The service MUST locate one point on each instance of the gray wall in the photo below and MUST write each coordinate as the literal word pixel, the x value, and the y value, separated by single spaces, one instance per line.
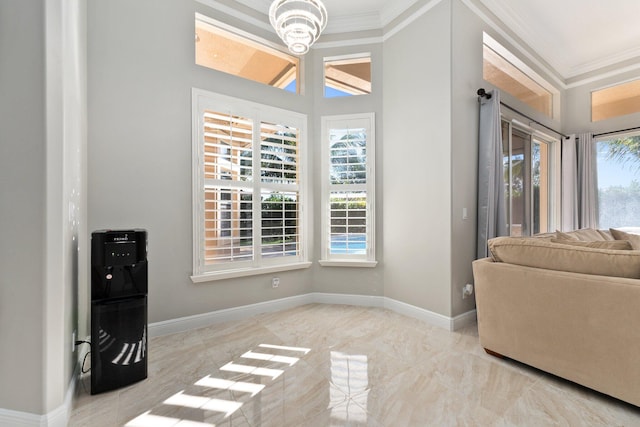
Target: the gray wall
pixel 140 149
pixel 42 130
pixel 141 70
pixel 467 31
pixel 70 109
pixel 358 281
pixel 22 162
pixel 467 42
pixel 417 162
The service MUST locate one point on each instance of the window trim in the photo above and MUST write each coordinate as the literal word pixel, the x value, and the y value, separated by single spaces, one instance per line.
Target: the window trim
pixel 369 259
pixel 205 100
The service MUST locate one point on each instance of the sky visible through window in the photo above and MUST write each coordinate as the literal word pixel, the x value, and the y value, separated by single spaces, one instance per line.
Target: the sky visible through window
pixel 611 173
pixel 618 164
pixel 328 91
pixel 291 87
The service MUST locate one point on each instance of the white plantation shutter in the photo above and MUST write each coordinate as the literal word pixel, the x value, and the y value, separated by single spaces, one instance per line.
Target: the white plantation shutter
pixel 348 189
pixel 280 211
pixel 228 197
pixel 247 185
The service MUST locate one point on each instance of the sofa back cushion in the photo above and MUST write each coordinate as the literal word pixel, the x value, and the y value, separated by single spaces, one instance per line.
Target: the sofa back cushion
pixel 542 253
pixel 620 245
pixel 623 235
pixel 585 235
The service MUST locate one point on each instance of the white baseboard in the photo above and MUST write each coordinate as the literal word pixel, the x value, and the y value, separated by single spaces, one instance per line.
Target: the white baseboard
pixel 183 324
pixel 229 314
pixel 464 319
pixel 425 315
pixel 9 418
pixel 59 417
pixel 345 299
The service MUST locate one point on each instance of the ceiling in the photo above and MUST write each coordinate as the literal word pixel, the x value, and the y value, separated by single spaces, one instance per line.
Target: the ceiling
pixel 573 36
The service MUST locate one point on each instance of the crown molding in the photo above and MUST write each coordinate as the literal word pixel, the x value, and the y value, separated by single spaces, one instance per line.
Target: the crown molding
pixel 556 68
pixel 617 58
pixel 547 47
pixel 235 13
pixel 551 72
pixel 603 75
pixel 351 42
pixel 409 19
pixel 259 5
pixel 372 20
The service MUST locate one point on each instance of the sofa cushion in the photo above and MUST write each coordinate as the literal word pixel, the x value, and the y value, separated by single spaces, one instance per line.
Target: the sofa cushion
pixel 565 236
pixel 583 235
pixel 541 253
pixel 623 235
pixel 620 245
pixel 606 234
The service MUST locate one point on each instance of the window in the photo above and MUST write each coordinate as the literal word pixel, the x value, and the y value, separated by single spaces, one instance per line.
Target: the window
pixel 618 165
pixel 505 71
pixel 527 161
pixel 615 101
pixel 224 48
pixel 347 75
pixel 248 187
pixel 348 190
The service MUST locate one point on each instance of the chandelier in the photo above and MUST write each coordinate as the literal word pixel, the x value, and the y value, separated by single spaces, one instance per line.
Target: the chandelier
pixel 298 22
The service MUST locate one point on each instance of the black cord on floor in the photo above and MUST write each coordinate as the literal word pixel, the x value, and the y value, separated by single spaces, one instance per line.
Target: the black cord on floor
pixel 84 360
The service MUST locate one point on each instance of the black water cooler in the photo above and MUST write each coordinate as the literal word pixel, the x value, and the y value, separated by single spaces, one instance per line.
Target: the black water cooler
pixel 118 308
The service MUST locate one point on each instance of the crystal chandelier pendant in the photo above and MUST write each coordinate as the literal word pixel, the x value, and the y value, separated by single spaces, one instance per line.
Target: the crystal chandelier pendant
pixel 298 22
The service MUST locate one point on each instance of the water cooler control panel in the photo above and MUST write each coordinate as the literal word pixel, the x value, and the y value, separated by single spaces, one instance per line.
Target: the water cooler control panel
pixel 118 263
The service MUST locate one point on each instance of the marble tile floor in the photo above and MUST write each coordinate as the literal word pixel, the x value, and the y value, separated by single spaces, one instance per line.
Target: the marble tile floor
pixel 339 365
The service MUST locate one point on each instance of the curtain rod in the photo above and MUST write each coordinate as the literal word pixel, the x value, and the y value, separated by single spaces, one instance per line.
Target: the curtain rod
pixel 483 94
pixel 615 131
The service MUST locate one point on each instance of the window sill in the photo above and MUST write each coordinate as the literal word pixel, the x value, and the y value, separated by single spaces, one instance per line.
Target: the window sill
pixel 348 263
pixel 244 272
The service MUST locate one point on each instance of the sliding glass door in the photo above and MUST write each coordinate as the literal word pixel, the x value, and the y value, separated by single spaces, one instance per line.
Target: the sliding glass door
pixel 527 177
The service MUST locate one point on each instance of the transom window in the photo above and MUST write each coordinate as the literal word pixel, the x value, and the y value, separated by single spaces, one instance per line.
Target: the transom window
pixel 224 48
pixel 248 185
pixel 614 101
pixel 505 71
pixel 347 75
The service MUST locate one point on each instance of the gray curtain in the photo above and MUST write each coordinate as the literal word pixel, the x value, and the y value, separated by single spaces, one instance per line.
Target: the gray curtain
pixel 569 184
pixel 492 208
pixel 587 182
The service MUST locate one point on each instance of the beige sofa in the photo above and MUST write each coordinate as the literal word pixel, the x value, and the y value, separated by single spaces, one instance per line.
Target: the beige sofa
pixel 571 308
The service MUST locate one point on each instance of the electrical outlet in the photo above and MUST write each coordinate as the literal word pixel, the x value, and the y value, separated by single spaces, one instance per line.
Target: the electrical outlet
pixel 467 290
pixel 275 282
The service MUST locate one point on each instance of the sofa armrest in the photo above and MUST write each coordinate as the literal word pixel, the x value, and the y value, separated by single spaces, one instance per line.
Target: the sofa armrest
pixel 578 326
